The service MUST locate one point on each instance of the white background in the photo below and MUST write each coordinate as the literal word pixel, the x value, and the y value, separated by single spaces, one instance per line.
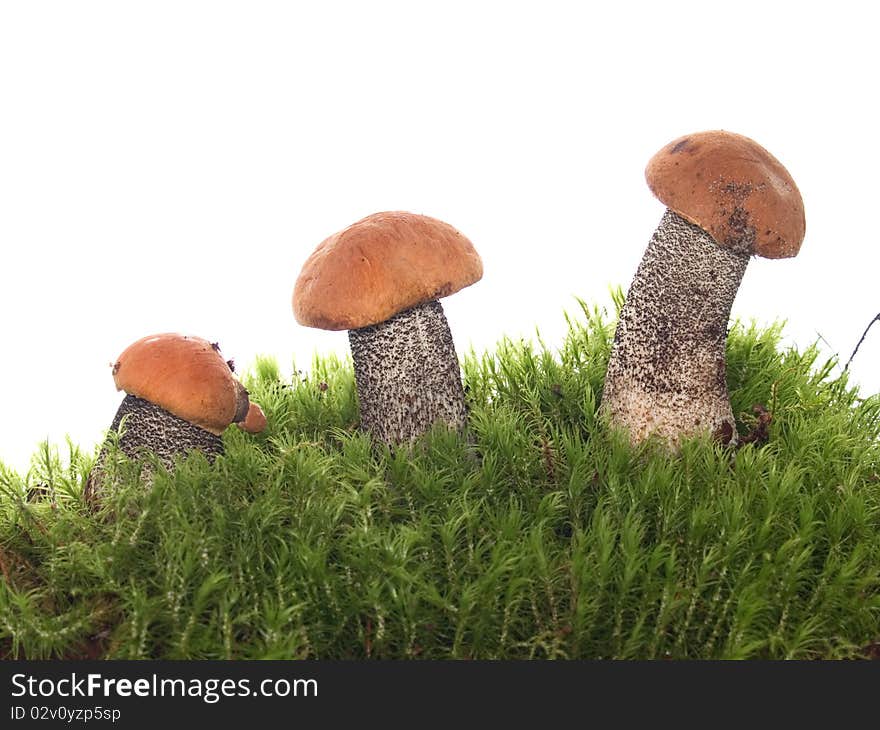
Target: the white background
pixel 168 166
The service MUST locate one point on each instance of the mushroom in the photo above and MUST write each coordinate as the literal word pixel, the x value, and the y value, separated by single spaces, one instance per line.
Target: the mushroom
pixel 380 279
pixel 254 421
pixel 180 396
pixel 727 199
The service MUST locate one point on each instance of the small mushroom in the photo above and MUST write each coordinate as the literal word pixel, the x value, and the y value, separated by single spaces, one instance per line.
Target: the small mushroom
pixel 380 279
pixel 180 396
pixel 254 421
pixel 727 199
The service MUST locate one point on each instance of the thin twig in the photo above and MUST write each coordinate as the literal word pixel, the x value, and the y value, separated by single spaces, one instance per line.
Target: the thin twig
pixel 864 334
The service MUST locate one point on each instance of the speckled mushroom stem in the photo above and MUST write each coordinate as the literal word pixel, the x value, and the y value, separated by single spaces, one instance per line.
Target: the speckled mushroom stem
pixel 407 375
pixel 667 372
pixel 149 428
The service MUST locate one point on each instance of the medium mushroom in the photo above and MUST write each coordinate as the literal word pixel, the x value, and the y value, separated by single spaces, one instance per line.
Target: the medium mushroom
pixel 727 199
pixel 180 396
pixel 380 279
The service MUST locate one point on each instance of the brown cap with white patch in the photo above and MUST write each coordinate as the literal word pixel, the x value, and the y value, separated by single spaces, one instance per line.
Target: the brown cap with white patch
pixel 733 189
pixel 380 266
pixel 185 375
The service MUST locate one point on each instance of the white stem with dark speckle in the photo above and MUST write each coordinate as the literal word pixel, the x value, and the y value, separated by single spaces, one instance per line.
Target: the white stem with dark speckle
pixel 407 375
pixel 667 372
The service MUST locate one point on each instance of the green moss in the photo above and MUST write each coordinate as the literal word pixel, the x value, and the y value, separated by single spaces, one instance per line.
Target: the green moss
pixel 543 535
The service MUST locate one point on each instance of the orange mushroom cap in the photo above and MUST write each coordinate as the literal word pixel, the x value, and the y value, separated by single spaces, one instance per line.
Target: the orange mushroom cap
pixel 185 375
pixel 733 189
pixel 380 266
pixel 255 421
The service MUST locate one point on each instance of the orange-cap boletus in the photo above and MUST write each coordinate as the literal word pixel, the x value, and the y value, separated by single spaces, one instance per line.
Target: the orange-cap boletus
pixel 180 396
pixel 381 279
pixel 727 199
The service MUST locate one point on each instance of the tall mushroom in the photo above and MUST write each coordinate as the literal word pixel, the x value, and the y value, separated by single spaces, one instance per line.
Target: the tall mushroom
pixel 727 199
pixel 180 396
pixel 380 279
